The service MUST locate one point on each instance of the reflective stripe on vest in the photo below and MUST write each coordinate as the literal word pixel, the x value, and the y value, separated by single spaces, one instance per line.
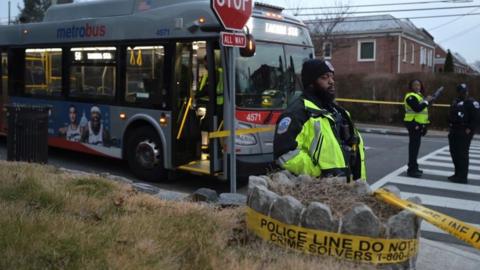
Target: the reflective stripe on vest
pixel 218 89
pixel 318 139
pixel 410 115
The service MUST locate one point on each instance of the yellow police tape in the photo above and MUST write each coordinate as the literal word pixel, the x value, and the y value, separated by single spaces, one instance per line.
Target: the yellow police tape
pixel 381 102
pixel 345 246
pixel 459 229
pixel 226 133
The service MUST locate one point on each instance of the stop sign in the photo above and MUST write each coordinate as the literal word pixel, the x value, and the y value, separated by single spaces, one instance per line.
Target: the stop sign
pixel 233 14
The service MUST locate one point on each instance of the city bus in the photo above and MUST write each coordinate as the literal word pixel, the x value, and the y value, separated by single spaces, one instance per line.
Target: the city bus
pixel 142 80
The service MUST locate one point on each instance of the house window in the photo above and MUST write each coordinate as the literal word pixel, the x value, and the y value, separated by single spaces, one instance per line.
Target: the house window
pixel 327 50
pixel 413 54
pixel 430 58
pixel 423 56
pixel 404 51
pixel 366 50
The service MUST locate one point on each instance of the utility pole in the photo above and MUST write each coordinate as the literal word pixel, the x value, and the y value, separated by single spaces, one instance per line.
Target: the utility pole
pixel 9 7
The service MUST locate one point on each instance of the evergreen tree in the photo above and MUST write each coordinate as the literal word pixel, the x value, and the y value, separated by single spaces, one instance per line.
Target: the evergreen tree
pixel 33 10
pixel 448 62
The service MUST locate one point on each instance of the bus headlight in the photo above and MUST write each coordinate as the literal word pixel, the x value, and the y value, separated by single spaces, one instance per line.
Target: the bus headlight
pixel 245 139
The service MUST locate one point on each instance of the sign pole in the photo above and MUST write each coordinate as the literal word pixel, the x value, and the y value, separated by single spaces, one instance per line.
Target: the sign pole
pixel 231 141
pixel 233 15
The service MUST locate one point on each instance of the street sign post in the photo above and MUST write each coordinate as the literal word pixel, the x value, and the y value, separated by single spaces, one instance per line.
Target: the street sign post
pixel 233 15
pixel 233 39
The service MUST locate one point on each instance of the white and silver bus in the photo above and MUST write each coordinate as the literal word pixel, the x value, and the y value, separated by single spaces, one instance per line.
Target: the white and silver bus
pixel 128 79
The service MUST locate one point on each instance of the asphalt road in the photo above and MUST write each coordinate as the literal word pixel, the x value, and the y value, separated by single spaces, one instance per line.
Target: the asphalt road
pixel 385 153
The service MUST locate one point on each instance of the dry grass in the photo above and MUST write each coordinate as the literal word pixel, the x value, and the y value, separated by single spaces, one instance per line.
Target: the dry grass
pixel 50 220
pixel 340 197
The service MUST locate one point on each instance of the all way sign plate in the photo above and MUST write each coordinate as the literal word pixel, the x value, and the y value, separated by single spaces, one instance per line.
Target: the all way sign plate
pixel 233 39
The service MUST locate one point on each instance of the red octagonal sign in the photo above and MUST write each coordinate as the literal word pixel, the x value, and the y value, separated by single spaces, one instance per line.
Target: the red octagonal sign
pixel 233 14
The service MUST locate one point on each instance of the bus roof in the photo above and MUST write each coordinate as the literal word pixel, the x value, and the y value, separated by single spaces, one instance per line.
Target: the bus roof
pixel 114 20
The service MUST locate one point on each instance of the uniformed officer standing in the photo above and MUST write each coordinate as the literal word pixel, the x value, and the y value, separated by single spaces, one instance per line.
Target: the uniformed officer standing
pixel 416 121
pixel 315 136
pixel 462 121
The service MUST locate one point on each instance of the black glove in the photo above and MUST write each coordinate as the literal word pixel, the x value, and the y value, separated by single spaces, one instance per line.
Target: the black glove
pixel 424 129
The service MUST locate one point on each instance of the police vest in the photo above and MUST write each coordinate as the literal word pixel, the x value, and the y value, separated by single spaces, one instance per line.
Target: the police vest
pixel 218 89
pixel 318 148
pixel 410 115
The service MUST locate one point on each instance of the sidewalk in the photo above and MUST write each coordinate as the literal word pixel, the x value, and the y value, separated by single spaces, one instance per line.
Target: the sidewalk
pixel 435 255
pixel 394 130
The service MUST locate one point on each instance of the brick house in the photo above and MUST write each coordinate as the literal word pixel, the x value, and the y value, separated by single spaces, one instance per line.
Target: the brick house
pixel 374 44
pixel 460 64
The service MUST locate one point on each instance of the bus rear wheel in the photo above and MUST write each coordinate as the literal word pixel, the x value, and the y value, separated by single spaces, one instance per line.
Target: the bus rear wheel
pixel 145 154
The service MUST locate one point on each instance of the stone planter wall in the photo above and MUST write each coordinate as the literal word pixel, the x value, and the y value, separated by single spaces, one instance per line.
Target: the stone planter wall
pixel 359 220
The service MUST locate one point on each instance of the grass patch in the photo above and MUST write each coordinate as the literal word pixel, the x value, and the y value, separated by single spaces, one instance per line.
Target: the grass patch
pixel 104 225
pixel 91 187
pixel 31 192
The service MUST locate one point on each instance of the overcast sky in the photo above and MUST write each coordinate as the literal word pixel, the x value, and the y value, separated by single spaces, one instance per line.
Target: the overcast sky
pixel 459 34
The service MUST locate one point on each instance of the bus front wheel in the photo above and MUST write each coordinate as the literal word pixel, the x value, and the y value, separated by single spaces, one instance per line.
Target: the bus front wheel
pixel 145 154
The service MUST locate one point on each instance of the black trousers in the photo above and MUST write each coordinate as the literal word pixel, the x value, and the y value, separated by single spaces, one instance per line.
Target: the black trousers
pixel 459 142
pixel 415 138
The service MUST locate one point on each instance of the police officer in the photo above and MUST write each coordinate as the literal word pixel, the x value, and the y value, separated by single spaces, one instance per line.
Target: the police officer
pixel 315 136
pixel 462 121
pixel 416 121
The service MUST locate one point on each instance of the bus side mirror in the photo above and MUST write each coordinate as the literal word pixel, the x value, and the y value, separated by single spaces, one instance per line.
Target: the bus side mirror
pixel 249 50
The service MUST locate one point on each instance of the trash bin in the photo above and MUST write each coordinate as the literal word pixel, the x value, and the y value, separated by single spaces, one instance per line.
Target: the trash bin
pixel 27 136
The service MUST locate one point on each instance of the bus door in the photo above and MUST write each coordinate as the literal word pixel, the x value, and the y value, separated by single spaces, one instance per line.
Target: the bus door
pixel 3 87
pixel 196 110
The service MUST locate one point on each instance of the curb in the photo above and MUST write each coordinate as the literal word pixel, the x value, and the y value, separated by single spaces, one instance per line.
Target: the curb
pixel 385 131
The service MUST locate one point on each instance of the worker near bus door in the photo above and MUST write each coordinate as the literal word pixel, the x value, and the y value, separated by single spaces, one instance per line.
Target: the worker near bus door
pixel 462 121
pixel 315 136
pixel 202 99
pixel 416 121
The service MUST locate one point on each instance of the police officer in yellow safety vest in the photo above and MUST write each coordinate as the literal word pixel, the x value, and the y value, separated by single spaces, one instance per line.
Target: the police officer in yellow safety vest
pixel 315 136
pixel 202 93
pixel 416 121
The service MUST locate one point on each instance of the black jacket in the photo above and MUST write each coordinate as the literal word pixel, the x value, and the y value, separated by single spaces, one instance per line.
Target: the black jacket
pixel 464 114
pixel 285 139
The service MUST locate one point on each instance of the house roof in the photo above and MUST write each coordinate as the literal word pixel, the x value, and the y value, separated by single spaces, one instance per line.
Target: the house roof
pixel 371 24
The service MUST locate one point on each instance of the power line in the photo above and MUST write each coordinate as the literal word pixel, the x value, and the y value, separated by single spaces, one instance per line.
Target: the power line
pixel 451 21
pixel 394 19
pixel 389 4
pixel 461 33
pixel 385 11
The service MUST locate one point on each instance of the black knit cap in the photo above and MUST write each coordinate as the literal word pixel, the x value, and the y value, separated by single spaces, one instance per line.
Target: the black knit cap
pixel 462 87
pixel 314 68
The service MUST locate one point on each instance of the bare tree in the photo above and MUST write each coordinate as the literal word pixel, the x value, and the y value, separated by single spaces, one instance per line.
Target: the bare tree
pixel 322 27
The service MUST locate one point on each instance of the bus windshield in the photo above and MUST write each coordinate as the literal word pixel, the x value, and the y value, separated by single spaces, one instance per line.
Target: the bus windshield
pixel 270 79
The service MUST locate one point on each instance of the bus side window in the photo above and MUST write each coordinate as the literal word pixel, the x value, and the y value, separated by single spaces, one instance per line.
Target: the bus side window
pixel 43 71
pixel 93 72
pixel 145 69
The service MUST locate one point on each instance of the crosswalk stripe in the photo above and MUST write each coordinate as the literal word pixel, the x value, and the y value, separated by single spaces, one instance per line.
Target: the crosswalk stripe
pixel 445 164
pixel 472 161
pixel 398 171
pixel 434 184
pixel 448 153
pixel 475 151
pixel 442 201
pixel 471 176
pixel 432 228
